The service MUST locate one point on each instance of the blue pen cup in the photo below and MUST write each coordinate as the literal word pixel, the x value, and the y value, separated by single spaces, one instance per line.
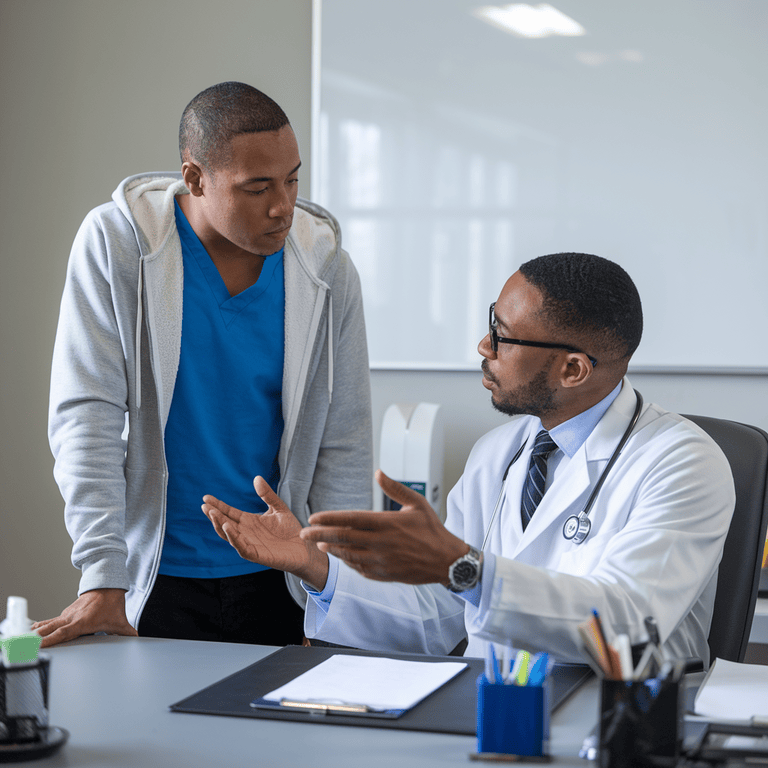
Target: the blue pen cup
pixel 512 719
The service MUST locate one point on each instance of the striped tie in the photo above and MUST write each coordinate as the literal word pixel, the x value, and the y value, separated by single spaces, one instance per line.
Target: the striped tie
pixel 533 489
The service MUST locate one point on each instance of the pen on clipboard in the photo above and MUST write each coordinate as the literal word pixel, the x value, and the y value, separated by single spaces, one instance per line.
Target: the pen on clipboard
pixel 336 707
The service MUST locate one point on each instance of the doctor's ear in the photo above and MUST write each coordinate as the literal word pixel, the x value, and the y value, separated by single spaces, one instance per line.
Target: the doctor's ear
pixel 577 368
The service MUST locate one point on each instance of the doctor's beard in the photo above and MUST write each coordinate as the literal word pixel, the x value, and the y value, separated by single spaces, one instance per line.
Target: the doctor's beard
pixel 536 398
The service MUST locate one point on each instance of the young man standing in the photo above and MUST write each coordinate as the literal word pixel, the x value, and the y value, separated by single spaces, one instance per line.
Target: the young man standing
pixel 211 329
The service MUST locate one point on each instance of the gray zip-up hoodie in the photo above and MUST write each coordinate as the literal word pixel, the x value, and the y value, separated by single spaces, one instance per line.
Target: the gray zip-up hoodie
pixel 114 368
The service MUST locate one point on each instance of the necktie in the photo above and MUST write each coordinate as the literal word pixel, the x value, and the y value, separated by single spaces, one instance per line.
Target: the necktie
pixel 533 489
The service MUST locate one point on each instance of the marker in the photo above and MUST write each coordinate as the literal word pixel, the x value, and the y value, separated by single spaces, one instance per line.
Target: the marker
pixel 624 650
pixel 538 669
pixel 519 673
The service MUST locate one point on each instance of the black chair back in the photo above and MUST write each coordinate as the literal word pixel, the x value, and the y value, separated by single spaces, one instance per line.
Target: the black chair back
pixel 746 448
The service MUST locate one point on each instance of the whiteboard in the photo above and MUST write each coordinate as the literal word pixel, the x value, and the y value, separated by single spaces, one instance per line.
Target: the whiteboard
pixel 452 151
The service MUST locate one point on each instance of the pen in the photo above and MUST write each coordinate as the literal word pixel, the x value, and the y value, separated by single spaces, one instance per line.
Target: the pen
pixel 595 652
pixel 507 661
pixel 614 663
pixel 599 626
pixel 492 673
pixel 488 663
pixel 591 659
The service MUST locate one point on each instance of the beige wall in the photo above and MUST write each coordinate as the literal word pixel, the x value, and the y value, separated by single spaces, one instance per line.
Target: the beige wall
pixel 91 91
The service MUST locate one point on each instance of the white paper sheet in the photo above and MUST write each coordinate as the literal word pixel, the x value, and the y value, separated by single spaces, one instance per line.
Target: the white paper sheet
pixel 733 691
pixel 379 683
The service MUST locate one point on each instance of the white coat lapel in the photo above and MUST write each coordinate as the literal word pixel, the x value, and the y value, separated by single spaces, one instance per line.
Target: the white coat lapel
pixel 572 486
pixel 508 530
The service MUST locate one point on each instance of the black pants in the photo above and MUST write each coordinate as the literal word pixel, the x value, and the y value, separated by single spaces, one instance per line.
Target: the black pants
pixel 256 608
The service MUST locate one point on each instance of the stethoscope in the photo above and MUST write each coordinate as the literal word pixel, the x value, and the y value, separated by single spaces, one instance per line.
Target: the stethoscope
pixel 576 527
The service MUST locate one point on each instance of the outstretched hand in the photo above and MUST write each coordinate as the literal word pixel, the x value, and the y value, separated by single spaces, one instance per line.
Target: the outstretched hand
pixel 271 538
pixel 410 546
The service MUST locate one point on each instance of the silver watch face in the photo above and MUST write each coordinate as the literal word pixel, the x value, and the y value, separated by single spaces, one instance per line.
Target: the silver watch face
pixel 464 573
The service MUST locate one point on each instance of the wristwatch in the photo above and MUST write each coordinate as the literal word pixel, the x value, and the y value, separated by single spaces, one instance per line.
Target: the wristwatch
pixel 465 572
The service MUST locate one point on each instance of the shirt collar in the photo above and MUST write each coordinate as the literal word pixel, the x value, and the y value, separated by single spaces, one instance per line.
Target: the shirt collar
pixel 572 434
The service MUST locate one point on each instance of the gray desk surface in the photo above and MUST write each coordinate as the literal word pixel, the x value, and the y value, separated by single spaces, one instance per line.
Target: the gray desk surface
pixel 112 695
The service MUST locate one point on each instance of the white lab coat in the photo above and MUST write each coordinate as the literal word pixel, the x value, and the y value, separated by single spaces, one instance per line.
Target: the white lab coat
pixel 658 528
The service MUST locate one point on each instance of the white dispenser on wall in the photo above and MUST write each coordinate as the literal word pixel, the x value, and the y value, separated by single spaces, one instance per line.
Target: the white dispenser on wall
pixel 412 451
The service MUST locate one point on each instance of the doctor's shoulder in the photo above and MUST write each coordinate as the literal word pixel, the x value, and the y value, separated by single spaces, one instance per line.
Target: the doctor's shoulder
pixel 675 440
pixel 676 430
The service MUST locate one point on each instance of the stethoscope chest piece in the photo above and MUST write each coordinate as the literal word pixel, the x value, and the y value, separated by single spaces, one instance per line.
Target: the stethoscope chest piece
pixel 576 528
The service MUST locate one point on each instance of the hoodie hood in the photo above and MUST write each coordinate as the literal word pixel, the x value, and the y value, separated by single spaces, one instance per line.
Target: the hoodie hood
pixel 146 200
pixel 313 245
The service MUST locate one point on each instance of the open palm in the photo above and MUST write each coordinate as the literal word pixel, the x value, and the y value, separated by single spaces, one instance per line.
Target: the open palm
pixel 271 538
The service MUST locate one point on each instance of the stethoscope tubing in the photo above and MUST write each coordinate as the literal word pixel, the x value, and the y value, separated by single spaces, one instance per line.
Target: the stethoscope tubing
pixel 581 521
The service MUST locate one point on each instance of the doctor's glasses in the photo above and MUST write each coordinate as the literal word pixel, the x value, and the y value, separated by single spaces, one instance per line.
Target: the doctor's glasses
pixel 496 339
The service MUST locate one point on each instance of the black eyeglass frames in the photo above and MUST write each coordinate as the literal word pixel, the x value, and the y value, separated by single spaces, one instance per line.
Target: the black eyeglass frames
pixel 496 340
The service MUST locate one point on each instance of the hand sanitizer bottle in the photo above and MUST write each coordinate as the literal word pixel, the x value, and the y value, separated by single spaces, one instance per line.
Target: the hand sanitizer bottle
pixel 20 643
pixel 24 678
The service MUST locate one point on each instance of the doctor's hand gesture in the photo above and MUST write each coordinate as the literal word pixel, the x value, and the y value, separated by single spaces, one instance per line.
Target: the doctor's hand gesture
pixel 271 538
pixel 410 545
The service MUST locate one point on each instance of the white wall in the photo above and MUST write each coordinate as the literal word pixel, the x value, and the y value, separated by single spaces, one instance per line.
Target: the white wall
pixel 91 92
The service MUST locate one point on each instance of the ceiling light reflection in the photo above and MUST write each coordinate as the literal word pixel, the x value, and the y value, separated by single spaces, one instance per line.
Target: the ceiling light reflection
pixel 528 21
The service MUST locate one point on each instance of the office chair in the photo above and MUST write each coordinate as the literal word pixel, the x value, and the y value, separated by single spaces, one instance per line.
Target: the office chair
pixel 746 449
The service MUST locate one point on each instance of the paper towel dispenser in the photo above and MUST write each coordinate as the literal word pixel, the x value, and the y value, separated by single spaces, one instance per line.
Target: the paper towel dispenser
pixel 412 451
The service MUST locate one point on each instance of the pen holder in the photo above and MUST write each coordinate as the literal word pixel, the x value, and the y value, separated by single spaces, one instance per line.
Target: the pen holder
pixel 512 719
pixel 24 700
pixel 639 723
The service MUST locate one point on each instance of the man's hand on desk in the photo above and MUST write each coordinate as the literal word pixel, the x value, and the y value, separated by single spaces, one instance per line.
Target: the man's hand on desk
pixel 271 538
pixel 410 546
pixel 98 610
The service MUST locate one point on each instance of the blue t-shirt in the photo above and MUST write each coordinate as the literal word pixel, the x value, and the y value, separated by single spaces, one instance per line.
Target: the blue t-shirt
pixel 225 421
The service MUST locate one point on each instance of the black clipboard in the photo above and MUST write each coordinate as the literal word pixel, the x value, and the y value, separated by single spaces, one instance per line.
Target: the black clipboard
pixel 449 709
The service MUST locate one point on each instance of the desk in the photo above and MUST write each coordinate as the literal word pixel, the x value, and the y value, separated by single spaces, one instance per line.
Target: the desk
pixel 112 695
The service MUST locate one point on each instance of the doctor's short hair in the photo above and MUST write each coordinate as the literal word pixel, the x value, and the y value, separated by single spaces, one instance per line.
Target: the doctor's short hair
pixel 591 298
pixel 219 113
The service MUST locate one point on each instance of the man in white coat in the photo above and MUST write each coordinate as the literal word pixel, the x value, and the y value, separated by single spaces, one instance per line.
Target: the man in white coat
pixel 516 562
